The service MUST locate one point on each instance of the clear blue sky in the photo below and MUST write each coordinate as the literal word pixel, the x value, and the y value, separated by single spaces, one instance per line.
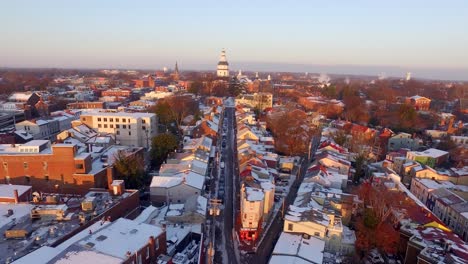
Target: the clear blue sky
pixel 424 35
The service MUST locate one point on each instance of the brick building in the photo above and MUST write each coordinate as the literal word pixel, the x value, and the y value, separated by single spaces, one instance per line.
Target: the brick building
pixel 87 105
pixel 63 168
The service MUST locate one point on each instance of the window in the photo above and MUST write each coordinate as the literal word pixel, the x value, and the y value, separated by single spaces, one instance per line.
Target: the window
pixel 143 121
pixel 111 126
pixel 105 125
pixel 28 179
pixel 79 166
pixel 46 178
pixel 116 120
pixel 117 126
pixel 129 127
pixel 105 119
pixel 123 120
pixel 25 165
pixel 317 234
pixel 84 118
pixel 129 133
pixel 143 127
pixel 99 126
pixel 118 132
pixel 124 126
pixel 290 227
pixel 111 119
pixel 99 119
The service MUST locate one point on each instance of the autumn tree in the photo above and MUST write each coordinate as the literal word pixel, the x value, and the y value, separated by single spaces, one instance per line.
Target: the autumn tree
pixel 355 109
pixel 161 146
pixel 172 110
pixel 292 131
pixel 374 225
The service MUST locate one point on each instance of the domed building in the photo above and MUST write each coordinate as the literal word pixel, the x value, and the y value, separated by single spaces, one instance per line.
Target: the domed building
pixel 223 66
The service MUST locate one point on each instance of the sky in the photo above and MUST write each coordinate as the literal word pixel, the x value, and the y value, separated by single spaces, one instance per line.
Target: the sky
pixel 427 37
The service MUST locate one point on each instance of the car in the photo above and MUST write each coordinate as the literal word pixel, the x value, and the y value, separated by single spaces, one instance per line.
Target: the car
pixel 221 165
pixel 223 145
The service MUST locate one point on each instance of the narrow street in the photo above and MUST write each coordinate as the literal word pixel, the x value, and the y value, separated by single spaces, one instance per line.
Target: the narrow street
pixel 227 192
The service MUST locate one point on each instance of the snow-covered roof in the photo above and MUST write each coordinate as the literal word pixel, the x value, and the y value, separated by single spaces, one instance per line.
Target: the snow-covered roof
pixel 165 181
pixel 40 255
pixel 120 237
pixel 254 194
pixel 294 248
pixel 6 190
pixel 20 96
pixel 432 152
pixel 19 211
pixel 76 255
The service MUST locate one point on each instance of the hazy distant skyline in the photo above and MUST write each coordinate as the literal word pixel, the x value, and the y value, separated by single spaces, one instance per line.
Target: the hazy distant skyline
pixel 426 37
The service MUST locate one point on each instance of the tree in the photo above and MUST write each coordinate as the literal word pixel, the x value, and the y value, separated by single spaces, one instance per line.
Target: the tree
pixel 130 169
pixel 235 87
pixel 196 87
pixel 161 146
pixel 355 109
pixel 407 116
pixel 340 137
pixel 172 110
pixel 446 144
pixel 360 163
pixel 292 131
pixel 330 92
pixel 164 113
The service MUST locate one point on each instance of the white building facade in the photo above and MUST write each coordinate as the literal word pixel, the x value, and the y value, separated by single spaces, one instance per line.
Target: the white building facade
pixel 130 129
pixel 223 66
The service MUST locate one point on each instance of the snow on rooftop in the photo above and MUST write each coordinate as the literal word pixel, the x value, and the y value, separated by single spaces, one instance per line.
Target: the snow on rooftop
pixel 431 184
pixel 6 190
pixel 84 233
pixel 295 246
pixel 165 181
pixel 94 112
pixel 40 255
pixel 432 152
pixel 19 211
pixel 86 256
pixel 121 236
pixel 254 194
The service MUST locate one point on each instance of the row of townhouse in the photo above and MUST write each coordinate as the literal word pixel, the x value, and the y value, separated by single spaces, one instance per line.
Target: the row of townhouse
pixel 320 213
pixel 423 236
pixel 259 170
pixel 184 174
pixel 446 200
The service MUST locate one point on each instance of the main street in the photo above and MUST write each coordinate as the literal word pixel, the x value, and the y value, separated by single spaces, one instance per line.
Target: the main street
pixel 227 190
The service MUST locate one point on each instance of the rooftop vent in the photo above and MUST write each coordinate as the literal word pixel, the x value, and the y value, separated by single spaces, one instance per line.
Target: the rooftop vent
pixel 89 245
pixel 101 238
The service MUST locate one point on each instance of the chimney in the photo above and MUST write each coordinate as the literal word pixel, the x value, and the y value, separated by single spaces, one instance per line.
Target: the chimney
pixel 152 248
pixel 15 194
